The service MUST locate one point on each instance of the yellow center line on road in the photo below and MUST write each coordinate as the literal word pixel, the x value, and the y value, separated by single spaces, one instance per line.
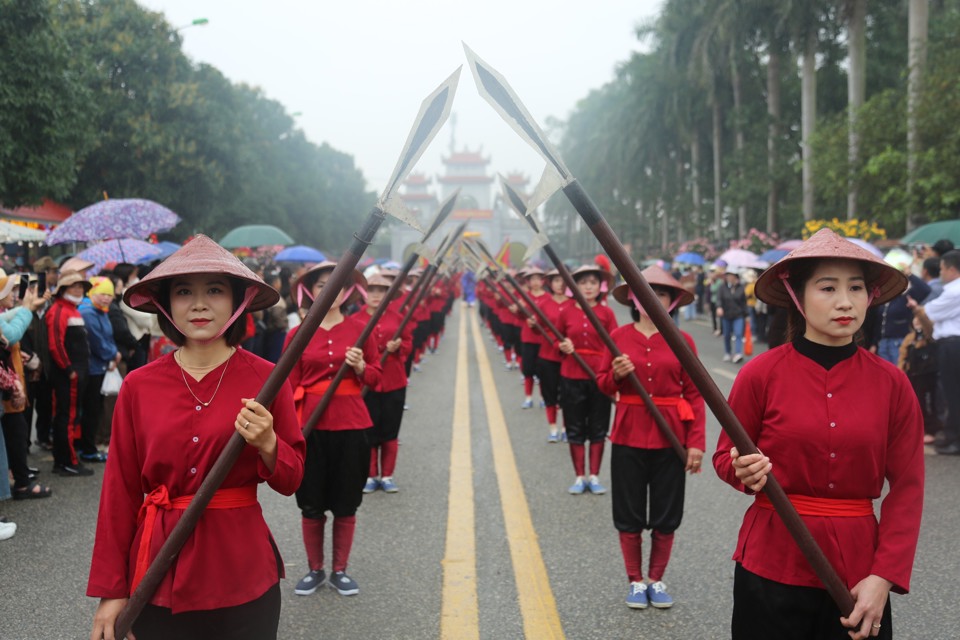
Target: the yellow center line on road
pixel 537 604
pixel 459 616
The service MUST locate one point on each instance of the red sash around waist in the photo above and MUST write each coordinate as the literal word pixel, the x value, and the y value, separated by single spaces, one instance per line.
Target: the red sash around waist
pixel 157 499
pixel 591 352
pixel 810 506
pixel 347 387
pixel 683 407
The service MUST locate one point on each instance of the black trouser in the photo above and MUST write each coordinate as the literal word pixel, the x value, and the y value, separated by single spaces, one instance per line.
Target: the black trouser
pixel 549 373
pixel 91 407
pixel 16 433
pixel 925 386
pixel 639 473
pixel 528 358
pixel 334 472
pixel 67 394
pixel 386 412
pixel 254 620
pixel 764 609
pixel 948 359
pixel 586 411
pixel 41 399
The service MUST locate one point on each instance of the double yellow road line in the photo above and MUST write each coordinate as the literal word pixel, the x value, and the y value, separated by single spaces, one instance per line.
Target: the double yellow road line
pixel 460 616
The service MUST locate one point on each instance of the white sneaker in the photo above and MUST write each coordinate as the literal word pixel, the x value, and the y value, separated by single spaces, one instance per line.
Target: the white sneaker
pixel 738 358
pixel 7 529
pixel 726 357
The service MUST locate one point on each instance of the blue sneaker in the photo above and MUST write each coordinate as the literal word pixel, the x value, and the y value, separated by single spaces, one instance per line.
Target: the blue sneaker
pixel 659 597
pixel 372 485
pixel 344 584
pixel 577 488
pixel 310 582
pixel 527 404
pixel 637 596
pixel 553 438
pixel 543 405
pixel 388 485
pixel 595 487
pixel 563 436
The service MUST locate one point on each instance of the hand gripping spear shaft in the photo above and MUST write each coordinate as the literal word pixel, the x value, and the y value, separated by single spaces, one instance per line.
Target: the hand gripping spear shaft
pixel 331 390
pixel 433 113
pixel 495 89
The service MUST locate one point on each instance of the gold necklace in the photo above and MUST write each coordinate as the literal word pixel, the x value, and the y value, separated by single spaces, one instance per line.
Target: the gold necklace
pixel 187 384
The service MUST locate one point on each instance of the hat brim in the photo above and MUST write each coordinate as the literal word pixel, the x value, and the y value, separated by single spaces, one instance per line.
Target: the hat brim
pixel 12 281
pixel 770 286
pixel 309 278
pixel 621 293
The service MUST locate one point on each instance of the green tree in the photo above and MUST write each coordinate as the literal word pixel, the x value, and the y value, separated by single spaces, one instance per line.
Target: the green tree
pixel 46 123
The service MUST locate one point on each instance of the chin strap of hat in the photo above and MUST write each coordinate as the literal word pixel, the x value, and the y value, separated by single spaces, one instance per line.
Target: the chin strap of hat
pixel 874 293
pixel 639 307
pixel 784 275
pixel 248 297
pixel 302 293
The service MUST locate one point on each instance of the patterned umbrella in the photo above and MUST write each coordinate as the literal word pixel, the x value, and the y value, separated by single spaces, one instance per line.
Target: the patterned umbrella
pixel 123 218
pixel 125 250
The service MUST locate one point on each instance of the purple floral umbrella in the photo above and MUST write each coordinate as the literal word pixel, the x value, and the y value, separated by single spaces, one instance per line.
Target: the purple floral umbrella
pixel 123 218
pixel 123 250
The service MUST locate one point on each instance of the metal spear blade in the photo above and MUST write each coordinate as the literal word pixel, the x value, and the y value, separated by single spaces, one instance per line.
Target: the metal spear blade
pixel 446 208
pixel 495 89
pixel 433 113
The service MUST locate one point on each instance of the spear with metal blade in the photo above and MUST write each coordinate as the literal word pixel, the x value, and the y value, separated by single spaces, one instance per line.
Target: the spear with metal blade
pixel 327 397
pixel 543 242
pixel 494 88
pixel 433 113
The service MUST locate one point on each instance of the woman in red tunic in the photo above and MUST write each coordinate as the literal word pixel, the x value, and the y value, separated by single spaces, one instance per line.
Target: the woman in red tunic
pixel 647 476
pixel 173 418
pixel 338 449
pixel 530 339
pixel 385 402
pixel 549 356
pixel 586 410
pixel 838 422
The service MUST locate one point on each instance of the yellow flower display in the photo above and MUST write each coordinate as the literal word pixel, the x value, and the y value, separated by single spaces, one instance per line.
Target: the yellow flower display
pixel 863 229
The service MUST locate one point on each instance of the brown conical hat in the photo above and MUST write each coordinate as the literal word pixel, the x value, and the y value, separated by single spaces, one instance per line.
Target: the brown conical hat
pixel 309 278
pixel 600 272
pixel 532 271
pixel 200 255
pixel 827 245
pixel 378 280
pixel 655 275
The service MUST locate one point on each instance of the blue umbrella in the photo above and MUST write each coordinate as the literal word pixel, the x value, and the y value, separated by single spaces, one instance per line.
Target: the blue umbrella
pixel 300 253
pixel 689 257
pixel 773 255
pixel 167 249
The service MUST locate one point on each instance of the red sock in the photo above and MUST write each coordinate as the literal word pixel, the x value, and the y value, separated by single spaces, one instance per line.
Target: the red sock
pixel 374 468
pixel 508 354
pixel 552 414
pixel 313 541
pixel 343 528
pixel 528 387
pixel 498 339
pixel 631 544
pixel 596 455
pixel 519 360
pixel 660 546
pixel 576 454
pixel 389 457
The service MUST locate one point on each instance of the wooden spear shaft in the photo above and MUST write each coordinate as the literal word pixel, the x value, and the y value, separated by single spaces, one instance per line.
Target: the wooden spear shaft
pixel 709 390
pixel 231 452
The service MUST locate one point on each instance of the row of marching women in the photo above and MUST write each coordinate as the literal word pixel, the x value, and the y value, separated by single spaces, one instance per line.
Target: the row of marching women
pixel 328 457
pixel 802 403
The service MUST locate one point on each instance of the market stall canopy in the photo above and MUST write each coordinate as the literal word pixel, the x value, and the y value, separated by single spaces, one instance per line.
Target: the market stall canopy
pixel 10 232
pixel 255 235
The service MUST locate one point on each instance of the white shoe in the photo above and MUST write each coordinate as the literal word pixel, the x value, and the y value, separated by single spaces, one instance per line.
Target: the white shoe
pixel 726 357
pixel 738 358
pixel 7 529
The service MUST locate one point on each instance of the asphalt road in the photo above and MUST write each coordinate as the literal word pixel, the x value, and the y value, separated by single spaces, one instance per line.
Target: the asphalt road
pixel 402 539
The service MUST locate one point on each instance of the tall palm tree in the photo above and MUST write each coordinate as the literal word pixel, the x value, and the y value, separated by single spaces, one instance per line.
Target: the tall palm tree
pixel 856 91
pixel 918 19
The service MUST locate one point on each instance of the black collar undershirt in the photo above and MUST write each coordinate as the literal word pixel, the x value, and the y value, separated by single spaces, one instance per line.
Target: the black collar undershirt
pixel 826 357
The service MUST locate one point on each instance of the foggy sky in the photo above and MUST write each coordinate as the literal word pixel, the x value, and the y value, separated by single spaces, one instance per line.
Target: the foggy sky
pixel 358 70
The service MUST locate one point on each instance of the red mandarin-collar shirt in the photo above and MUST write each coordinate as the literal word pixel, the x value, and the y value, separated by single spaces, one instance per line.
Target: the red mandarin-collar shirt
pixel 551 309
pixel 831 434
pixel 320 362
pixel 661 375
pixel 394 374
pixel 528 334
pixel 573 324
pixel 162 436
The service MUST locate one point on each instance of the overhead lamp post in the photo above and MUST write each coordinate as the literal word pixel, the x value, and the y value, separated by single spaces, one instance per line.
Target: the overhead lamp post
pixel 196 22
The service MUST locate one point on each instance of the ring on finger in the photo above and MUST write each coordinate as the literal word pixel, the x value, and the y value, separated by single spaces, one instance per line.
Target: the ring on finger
pixel 247 426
